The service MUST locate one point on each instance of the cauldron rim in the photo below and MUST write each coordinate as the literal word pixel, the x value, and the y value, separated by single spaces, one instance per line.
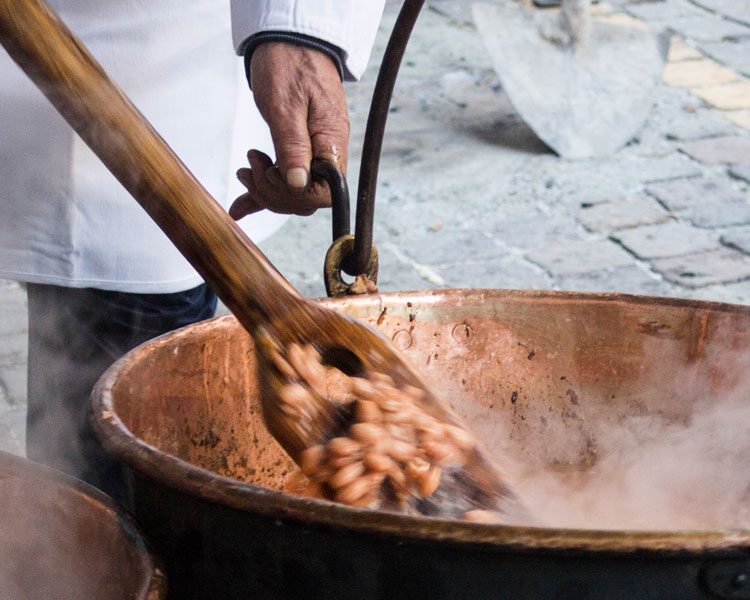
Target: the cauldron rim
pixel 207 485
pixel 154 583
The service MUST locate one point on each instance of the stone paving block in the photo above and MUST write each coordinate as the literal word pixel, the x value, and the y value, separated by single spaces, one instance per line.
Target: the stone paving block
pixel 649 169
pixel 535 230
pixel 738 117
pixel 741 172
pixel 734 53
pixel 622 20
pixel 398 272
pixel 579 257
pixel 707 28
pixel 397 277
pixel 738 239
pixel 669 10
pixel 666 239
pixel 718 215
pixel 510 272
pixel 697 124
pixel 680 51
pixel 739 10
pixel 729 96
pixel 624 280
pixel 458 12
pixel 686 193
pixel 695 73
pixel 724 150
pixel 732 293
pixel 13 343
pixel 621 213
pixel 697 270
pixel 13 430
pixel 602 8
pixel 437 247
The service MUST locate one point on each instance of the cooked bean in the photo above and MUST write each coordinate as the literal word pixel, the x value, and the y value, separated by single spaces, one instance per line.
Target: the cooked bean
pixel 480 516
pixel 353 490
pixel 400 432
pixel 380 446
pixel 311 459
pixel 389 406
pixel 462 438
pixel 431 432
pixel 284 367
pixel 430 481
pixel 401 414
pixel 296 356
pixel 313 356
pixel 346 475
pixel 398 480
pixel 303 423
pixel 400 450
pixel 437 450
pixel 367 433
pixel 337 462
pixel 375 479
pixel 378 462
pixel 369 500
pixel 416 468
pixel 362 388
pixel 294 394
pixel 381 380
pixel 291 409
pixel 317 381
pixel 415 394
pixel 324 474
pixel 318 386
pixel 367 411
pixel 422 420
pixel 343 446
pixel 308 367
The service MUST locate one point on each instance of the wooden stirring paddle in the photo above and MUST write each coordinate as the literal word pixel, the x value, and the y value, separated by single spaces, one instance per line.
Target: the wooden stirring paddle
pixel 373 377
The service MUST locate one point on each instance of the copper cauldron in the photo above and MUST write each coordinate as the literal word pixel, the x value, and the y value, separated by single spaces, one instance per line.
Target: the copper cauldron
pixel 539 376
pixel 61 538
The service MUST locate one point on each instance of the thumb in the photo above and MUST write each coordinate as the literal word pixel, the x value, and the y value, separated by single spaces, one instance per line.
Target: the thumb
pixel 291 141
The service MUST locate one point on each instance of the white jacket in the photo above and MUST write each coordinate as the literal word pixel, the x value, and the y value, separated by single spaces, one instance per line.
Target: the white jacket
pixel 64 219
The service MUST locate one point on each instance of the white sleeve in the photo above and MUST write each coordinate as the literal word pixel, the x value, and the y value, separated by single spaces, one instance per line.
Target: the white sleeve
pixel 349 24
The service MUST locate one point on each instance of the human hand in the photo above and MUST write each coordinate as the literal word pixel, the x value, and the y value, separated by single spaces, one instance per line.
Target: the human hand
pixel 298 92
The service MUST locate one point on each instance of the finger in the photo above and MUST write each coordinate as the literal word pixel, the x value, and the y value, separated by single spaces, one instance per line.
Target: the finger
pixel 291 140
pixel 245 176
pixel 251 201
pixel 244 205
pixel 271 192
pixel 259 159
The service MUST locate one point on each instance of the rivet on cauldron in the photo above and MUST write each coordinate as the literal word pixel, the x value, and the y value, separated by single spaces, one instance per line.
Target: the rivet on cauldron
pixel 461 333
pixel 402 339
pixel 728 579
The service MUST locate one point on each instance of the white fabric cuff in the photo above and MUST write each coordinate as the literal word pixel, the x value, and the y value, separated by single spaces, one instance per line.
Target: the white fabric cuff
pixel 348 24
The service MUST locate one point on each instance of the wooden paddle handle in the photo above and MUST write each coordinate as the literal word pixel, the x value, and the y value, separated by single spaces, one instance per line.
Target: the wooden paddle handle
pixel 140 159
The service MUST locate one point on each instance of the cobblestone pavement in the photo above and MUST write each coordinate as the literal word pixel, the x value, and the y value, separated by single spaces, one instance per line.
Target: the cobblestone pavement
pixel 469 197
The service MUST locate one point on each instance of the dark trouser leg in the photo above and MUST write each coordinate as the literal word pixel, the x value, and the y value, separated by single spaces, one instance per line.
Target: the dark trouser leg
pixel 74 336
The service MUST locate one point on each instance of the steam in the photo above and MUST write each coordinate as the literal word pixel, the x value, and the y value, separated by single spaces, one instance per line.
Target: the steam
pixel 656 475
